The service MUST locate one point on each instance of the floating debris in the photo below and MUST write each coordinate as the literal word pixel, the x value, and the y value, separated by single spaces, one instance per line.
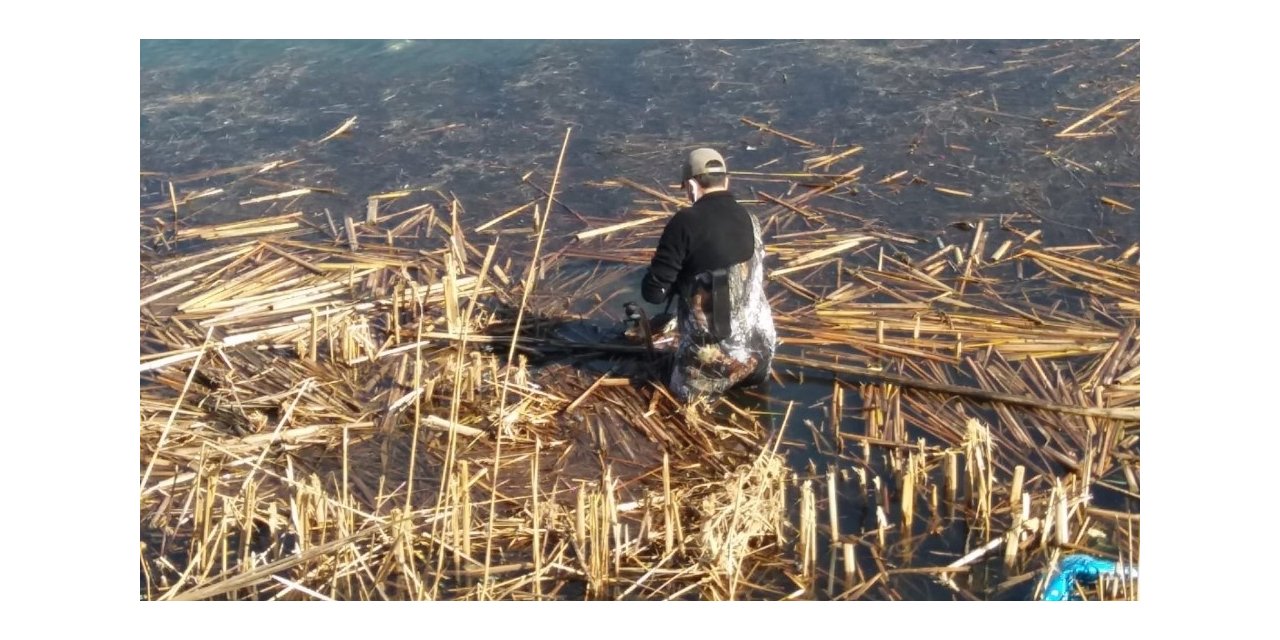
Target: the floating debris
pixel 386 402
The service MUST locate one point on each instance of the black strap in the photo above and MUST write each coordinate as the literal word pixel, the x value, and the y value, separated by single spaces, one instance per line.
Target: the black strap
pixel 721 305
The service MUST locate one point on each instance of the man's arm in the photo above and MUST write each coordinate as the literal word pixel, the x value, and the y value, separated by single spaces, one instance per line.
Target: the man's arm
pixel 667 261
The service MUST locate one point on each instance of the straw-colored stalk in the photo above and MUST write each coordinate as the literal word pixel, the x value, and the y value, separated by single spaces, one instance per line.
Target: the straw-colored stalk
pixel 534 268
pixel 832 508
pixel 808 534
pixel 882 519
pixel 537 522
pixel 909 493
pixel 1062 522
pixel 850 563
pixel 951 476
pixel 1014 535
pixel 669 516
pixel 980 470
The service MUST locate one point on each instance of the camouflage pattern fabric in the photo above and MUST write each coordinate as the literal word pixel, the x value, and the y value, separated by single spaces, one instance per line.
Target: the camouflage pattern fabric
pixel 704 366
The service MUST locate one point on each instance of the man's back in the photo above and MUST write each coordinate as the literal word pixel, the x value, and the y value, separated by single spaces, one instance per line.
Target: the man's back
pixel 716 232
pixel 712 259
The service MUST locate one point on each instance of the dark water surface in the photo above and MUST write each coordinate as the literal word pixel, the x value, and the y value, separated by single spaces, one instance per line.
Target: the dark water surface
pixel 474 118
pixel 975 115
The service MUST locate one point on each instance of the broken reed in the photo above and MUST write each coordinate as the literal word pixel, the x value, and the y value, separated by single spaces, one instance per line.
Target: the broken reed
pixel 379 329
pixel 885 424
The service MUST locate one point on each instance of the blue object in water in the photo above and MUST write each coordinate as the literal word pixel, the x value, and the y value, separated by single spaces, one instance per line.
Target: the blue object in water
pixel 1084 569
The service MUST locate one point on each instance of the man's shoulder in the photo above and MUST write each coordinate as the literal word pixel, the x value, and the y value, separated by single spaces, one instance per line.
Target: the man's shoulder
pixel 682 216
pixel 678 224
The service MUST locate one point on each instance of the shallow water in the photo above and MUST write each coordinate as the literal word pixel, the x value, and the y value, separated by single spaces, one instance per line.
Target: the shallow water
pixel 976 116
pixel 472 118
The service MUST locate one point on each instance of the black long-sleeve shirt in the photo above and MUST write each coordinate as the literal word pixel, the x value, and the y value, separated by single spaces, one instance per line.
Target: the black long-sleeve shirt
pixel 712 234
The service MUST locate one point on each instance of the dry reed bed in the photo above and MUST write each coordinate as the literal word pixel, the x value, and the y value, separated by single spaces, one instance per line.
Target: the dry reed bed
pixel 1055 328
pixel 325 408
pixel 319 421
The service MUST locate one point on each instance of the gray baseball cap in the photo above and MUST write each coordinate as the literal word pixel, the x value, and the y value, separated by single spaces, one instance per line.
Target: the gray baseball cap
pixel 702 161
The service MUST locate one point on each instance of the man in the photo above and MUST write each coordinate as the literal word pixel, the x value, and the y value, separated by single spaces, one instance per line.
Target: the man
pixel 711 258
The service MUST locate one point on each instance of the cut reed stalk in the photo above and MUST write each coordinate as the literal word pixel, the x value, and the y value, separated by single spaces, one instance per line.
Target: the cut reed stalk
pixel 502 404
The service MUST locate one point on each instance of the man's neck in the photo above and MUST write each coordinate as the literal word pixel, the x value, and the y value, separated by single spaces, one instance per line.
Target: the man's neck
pixel 712 192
